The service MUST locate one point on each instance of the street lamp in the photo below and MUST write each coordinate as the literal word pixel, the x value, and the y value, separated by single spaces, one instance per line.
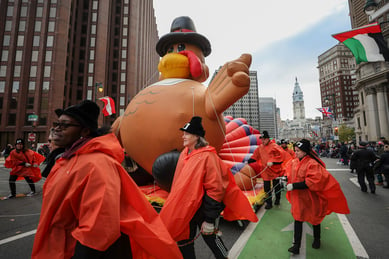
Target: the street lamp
pixel 370 7
pixel 99 88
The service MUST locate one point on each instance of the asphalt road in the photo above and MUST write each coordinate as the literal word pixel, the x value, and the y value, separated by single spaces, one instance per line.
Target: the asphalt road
pixel 369 218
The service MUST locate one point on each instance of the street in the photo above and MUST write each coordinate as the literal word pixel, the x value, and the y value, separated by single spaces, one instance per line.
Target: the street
pixel 368 218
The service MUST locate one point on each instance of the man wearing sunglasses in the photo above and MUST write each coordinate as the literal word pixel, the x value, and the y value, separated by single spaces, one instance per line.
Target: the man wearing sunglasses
pixel 91 207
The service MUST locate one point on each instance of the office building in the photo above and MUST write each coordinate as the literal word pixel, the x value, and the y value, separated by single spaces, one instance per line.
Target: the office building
pixel 247 106
pixel 55 53
pixel 372 78
pixel 268 116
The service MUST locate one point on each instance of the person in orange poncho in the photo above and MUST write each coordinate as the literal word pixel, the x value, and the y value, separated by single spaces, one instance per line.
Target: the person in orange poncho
pixel 91 207
pixel 313 193
pixel 202 187
pixel 24 163
pixel 269 156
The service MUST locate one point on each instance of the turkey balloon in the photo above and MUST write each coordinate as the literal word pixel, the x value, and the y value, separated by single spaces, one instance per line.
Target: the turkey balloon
pixel 150 124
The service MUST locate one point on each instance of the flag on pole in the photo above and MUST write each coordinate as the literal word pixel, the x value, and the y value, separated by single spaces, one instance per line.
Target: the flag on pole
pixel 109 105
pixel 366 43
pixel 326 112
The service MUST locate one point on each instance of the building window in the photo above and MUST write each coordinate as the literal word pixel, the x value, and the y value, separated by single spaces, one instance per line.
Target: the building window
pixel 3 70
pixel 4 55
pixel 2 87
pixel 39 11
pixel 35 42
pixel 50 41
pixel 15 87
pixel 92 55
pixel 6 40
pixel 51 27
pixel 49 55
pixel 12 119
pixel 23 11
pixel 22 26
pixel 34 56
pixel 46 86
pixel 47 71
pixel 18 55
pixel 10 10
pixel 20 42
pixel 30 103
pixel 90 68
pixel 38 25
pixel 31 86
pixel 33 71
pixel 17 71
pixel 53 11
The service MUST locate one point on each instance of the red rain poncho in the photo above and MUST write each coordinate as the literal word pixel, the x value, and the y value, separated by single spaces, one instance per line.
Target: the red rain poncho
pixel 90 198
pixel 323 195
pixel 15 160
pixel 196 173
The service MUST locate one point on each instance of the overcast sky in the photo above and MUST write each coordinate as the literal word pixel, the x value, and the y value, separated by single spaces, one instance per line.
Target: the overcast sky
pixel 284 37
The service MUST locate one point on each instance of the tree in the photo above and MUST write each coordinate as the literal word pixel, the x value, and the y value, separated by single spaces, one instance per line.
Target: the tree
pixel 346 133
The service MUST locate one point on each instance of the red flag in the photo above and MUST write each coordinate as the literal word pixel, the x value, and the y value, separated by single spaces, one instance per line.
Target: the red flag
pixel 109 105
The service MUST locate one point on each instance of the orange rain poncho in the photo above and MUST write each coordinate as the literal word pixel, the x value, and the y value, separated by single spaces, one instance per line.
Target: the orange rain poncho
pixel 196 173
pixel 91 199
pixel 323 195
pixel 15 160
pixel 269 153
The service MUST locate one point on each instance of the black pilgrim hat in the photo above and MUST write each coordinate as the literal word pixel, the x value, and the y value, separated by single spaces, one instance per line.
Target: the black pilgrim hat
pixel 183 30
pixel 194 127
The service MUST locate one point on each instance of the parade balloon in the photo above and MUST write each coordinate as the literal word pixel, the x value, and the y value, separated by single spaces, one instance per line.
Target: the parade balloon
pixel 164 168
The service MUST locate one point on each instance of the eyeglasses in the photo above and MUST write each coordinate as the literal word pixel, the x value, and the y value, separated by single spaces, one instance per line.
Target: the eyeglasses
pixel 63 125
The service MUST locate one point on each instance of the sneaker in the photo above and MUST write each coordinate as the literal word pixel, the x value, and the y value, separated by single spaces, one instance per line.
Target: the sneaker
pixel 11 196
pixel 30 194
pixel 379 183
pixel 277 202
pixel 268 206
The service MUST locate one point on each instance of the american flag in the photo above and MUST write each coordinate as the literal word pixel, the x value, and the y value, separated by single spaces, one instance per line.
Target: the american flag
pixel 326 111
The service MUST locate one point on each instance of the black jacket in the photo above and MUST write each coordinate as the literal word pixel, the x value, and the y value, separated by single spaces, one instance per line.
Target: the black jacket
pixel 363 159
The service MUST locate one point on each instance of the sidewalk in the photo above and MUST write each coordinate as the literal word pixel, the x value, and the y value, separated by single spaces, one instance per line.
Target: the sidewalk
pixel 273 235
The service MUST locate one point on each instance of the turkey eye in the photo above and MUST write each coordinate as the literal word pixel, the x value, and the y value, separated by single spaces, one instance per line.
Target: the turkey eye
pixel 170 50
pixel 180 47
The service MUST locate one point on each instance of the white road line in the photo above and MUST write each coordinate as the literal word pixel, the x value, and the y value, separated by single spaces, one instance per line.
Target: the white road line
pixel 10 239
pixel 244 237
pixel 356 244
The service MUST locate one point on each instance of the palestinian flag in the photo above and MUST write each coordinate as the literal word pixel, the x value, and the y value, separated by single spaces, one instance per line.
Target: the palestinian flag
pixel 366 43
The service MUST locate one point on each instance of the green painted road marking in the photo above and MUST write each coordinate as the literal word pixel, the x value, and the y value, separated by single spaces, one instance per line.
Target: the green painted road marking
pixel 268 240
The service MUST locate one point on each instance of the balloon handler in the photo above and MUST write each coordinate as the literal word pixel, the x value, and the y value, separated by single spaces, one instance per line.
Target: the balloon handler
pixel 202 187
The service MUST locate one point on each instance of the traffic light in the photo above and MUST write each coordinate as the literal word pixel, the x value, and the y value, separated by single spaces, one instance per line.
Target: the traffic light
pixel 336 131
pixel 99 87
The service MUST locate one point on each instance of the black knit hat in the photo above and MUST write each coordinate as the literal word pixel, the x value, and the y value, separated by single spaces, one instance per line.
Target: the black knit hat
pixel 19 141
pixel 194 127
pixel 265 134
pixel 183 31
pixel 86 113
pixel 304 145
pixel 283 141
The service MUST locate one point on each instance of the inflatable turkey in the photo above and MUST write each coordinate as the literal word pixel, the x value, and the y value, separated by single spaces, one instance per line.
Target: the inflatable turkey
pixel 150 124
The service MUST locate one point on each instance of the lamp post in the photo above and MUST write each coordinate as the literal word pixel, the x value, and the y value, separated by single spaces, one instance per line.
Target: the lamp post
pixel 370 7
pixel 99 88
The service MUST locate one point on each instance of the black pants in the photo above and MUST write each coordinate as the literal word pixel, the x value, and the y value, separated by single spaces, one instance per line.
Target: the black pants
pixel 298 231
pixel 267 188
pixel 369 174
pixel 12 185
pixel 214 242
